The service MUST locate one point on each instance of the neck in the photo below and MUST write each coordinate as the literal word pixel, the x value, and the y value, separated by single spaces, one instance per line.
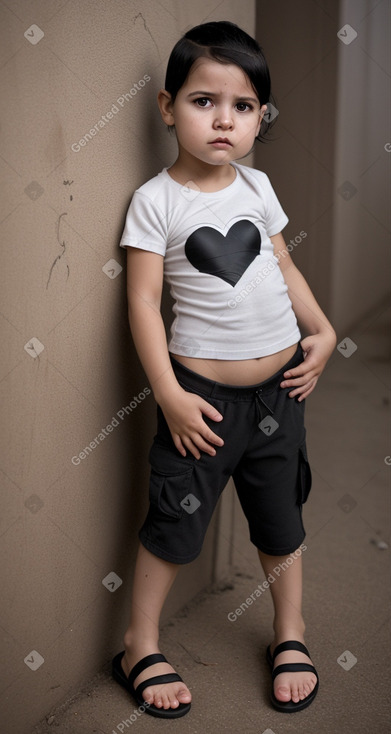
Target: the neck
pixel 206 176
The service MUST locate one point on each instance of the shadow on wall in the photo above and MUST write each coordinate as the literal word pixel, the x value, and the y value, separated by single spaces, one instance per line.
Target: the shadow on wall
pixel 330 156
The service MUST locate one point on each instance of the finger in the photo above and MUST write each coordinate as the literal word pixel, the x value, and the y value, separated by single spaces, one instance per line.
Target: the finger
pixel 296 394
pixel 210 411
pixel 306 394
pixel 298 381
pixel 178 444
pixel 191 447
pixel 303 391
pixel 299 390
pixel 208 435
pixel 300 370
pixel 195 444
pixel 203 445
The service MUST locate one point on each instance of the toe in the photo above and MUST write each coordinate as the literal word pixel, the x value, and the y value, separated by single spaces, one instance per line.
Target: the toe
pixel 184 696
pixel 166 701
pixel 148 696
pixel 154 697
pixel 308 688
pixel 172 697
pixel 282 693
pixel 166 697
pixel 300 692
pixel 295 694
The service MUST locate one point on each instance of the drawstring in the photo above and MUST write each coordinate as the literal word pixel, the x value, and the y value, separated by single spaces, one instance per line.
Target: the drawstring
pixel 259 401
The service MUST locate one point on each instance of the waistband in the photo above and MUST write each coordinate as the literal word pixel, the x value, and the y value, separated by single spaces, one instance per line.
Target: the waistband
pixel 199 383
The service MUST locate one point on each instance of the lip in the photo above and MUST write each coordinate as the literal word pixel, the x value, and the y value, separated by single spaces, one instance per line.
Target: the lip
pixel 221 142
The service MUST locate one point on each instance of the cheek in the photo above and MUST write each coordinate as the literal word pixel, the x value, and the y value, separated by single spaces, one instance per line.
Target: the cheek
pixel 188 133
pixel 187 123
pixel 191 129
pixel 246 128
pixel 252 126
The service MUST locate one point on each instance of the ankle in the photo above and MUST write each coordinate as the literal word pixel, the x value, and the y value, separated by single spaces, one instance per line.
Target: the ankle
pixel 140 640
pixel 288 631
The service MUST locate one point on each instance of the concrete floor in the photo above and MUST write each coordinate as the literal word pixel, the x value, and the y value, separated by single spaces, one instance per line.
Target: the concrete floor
pixel 346 599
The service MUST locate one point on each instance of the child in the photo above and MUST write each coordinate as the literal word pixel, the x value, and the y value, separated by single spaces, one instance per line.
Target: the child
pixel 230 386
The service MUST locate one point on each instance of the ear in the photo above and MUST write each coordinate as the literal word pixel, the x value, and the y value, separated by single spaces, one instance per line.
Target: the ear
pixel 165 106
pixel 261 114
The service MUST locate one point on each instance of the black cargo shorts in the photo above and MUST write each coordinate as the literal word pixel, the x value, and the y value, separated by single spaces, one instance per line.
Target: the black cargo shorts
pixel 265 453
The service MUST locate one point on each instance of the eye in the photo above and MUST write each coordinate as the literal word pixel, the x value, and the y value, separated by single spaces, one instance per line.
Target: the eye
pixel 243 107
pixel 202 102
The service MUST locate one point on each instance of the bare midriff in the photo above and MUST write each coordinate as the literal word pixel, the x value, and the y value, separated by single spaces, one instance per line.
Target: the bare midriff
pixel 238 371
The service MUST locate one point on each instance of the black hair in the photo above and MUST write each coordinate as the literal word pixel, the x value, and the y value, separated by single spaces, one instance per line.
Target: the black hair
pixel 225 42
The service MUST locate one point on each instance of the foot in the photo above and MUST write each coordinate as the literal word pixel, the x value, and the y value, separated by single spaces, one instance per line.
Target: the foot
pixel 166 696
pixel 292 686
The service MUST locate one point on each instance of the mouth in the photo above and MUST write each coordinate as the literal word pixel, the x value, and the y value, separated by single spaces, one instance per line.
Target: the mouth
pixel 221 142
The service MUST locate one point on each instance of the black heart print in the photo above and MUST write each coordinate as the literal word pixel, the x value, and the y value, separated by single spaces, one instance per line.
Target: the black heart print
pixel 225 257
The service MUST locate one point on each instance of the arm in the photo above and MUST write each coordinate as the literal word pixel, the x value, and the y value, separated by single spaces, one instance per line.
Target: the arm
pixel 183 410
pixel 320 343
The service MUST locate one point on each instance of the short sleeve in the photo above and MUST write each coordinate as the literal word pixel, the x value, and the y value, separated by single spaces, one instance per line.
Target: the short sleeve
pixel 145 226
pixel 276 219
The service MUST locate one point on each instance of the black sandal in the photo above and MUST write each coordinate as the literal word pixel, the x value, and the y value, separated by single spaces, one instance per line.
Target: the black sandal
pixel 290 706
pixel 127 682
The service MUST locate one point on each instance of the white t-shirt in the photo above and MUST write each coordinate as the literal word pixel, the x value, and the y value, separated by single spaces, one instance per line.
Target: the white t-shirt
pixel 231 300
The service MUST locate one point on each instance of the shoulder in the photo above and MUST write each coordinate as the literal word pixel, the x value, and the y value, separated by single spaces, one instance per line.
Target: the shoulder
pixel 259 183
pixel 146 218
pixel 253 175
pixel 154 188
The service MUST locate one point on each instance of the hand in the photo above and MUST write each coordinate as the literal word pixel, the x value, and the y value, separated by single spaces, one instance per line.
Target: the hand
pixel 317 350
pixel 183 412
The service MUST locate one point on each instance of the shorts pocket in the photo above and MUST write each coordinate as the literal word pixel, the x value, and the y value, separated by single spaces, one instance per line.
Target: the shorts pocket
pixel 169 481
pixel 305 476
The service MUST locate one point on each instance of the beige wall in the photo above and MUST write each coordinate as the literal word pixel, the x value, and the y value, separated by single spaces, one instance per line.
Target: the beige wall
pixel 332 126
pixel 66 526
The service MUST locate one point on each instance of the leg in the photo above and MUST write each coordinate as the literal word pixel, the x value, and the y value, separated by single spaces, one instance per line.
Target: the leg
pixel 152 581
pixel 288 624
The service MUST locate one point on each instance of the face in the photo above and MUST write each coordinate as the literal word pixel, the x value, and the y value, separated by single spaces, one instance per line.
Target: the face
pixel 216 113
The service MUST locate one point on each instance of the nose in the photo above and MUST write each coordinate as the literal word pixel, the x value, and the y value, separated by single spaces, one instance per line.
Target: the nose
pixel 223 119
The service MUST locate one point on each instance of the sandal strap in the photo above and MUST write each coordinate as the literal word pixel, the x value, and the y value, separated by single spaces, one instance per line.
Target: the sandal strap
pixel 156 680
pixel 293 668
pixel 156 657
pixel 290 645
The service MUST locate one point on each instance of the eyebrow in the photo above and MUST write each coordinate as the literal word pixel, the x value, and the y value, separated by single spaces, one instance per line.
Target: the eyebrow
pixel 214 94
